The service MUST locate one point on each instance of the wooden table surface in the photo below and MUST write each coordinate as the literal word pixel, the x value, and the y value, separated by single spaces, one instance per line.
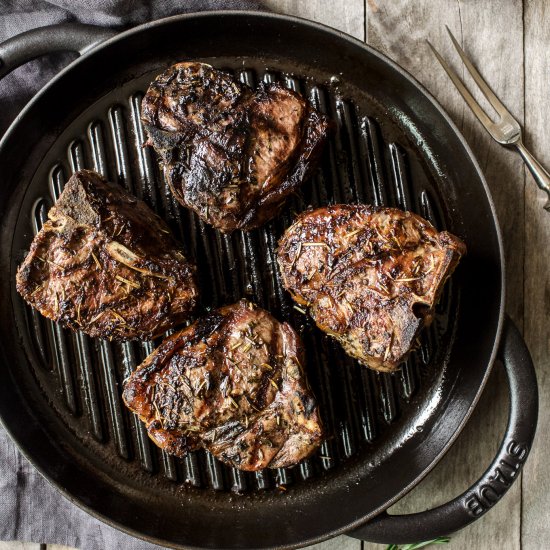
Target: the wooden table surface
pixel 509 41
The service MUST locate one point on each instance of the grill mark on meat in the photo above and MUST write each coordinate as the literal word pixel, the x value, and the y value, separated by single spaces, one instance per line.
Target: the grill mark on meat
pixel 105 264
pixel 233 384
pixel 231 154
pixel 370 276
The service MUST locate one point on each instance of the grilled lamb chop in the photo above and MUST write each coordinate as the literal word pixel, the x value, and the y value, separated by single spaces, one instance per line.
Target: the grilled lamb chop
pixel 232 383
pixel 230 153
pixel 371 276
pixel 105 264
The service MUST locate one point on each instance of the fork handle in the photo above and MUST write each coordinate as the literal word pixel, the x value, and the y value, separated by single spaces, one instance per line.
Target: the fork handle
pixel 541 176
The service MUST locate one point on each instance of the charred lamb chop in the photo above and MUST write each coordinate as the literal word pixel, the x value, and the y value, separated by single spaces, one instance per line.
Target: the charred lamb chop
pixel 232 383
pixel 105 264
pixel 230 153
pixel 371 276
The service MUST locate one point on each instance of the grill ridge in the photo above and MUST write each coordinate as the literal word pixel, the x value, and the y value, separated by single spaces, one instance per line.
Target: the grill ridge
pixel 356 403
pixel 143 447
pixel 111 392
pixel 56 335
pixel 40 214
pixel 88 385
pixel 400 177
pixel 119 140
pixel 146 188
pixel 372 144
pixel 404 191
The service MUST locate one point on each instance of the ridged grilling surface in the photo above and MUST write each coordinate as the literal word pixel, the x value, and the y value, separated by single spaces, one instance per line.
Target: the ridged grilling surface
pixel 358 406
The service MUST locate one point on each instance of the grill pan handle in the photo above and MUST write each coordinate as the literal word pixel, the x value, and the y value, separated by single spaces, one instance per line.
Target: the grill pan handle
pixel 497 479
pixel 65 37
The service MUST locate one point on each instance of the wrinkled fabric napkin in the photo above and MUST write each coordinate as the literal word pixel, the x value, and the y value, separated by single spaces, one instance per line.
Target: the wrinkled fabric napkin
pixel 31 510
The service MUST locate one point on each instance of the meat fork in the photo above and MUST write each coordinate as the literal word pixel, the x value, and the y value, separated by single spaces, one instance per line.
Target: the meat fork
pixel 506 130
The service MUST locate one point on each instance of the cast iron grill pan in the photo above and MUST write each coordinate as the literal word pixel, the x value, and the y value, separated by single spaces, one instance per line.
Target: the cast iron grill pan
pixel 82 377
pixel 392 146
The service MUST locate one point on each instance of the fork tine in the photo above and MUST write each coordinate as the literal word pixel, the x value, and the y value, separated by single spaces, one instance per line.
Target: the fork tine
pixel 479 80
pixel 464 92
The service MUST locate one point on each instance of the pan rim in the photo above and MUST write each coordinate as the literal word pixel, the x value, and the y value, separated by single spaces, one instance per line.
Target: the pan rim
pixel 441 112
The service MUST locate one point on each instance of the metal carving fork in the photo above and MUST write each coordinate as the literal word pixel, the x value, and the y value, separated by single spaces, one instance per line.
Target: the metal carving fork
pixel 506 130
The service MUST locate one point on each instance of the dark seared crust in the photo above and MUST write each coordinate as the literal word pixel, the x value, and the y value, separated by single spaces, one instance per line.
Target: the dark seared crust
pixel 231 154
pixel 371 276
pixel 105 264
pixel 232 383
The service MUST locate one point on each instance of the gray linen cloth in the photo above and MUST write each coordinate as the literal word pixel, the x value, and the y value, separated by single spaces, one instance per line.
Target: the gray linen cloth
pixel 31 510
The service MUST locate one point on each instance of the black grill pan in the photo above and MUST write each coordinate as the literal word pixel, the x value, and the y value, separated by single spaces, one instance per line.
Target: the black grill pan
pixel 60 392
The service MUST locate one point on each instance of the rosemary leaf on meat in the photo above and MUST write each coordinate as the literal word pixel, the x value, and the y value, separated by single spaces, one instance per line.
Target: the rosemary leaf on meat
pixel 96 261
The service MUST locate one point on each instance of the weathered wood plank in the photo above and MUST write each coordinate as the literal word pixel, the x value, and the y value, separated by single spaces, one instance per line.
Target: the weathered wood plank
pixel 536 477
pixel 338 543
pixel 344 15
pixel 491 33
pixel 13 545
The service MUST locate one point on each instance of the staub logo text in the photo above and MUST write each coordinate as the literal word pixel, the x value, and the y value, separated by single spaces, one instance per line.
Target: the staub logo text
pixel 501 478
